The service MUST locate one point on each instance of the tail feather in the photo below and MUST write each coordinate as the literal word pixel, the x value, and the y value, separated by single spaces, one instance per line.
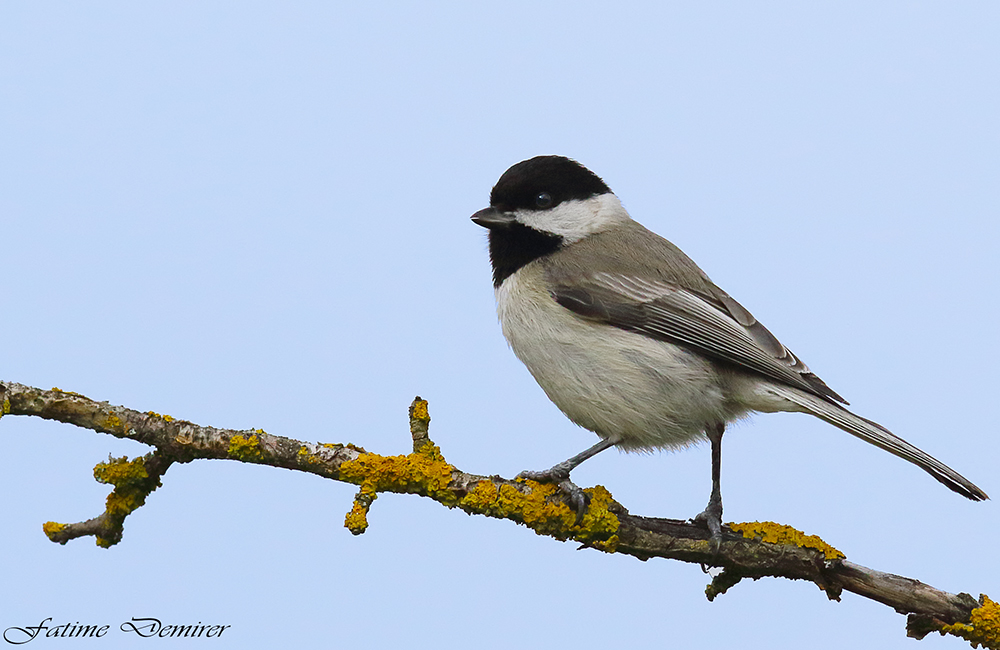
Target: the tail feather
pixel 881 437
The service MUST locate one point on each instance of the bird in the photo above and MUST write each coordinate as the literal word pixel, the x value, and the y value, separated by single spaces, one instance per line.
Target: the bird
pixel 632 340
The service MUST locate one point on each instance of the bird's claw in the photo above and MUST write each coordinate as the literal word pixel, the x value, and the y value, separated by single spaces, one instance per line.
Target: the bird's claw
pixel 552 475
pixel 577 498
pixel 711 518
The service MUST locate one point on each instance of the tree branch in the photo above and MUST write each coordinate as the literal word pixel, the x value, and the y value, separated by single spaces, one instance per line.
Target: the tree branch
pixel 752 550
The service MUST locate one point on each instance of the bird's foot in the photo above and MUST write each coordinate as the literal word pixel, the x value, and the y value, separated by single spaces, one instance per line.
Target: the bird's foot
pixel 711 518
pixel 560 477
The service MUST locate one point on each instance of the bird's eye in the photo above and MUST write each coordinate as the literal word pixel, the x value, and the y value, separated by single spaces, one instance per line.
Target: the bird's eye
pixel 543 200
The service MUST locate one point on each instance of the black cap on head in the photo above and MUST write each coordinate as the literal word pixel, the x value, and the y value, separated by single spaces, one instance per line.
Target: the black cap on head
pixel 560 178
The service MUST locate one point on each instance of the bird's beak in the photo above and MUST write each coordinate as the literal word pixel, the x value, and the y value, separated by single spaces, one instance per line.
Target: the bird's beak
pixel 492 218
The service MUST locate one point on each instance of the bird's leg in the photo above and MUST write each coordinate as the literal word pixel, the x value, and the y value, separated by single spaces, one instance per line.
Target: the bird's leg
pixel 711 516
pixel 559 474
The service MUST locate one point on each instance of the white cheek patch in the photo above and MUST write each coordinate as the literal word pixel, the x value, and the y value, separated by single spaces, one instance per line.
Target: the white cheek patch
pixel 574 220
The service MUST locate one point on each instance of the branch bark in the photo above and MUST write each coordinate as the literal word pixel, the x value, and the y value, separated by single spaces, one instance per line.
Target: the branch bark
pixel 752 550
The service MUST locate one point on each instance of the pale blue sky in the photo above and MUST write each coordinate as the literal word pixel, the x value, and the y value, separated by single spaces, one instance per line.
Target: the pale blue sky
pixel 256 215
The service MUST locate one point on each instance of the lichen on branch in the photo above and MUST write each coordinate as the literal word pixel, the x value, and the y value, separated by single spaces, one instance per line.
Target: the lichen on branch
pixel 755 550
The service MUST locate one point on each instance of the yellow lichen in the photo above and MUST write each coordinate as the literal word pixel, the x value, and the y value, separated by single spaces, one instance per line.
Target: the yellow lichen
pixel 308 456
pixel 424 472
pixel 431 451
pixel 246 448
pixel 610 545
pixel 112 422
pixel 538 509
pixel 356 520
pixel 132 485
pixel 481 497
pixel 420 411
pixel 165 418
pixel 130 481
pixel 772 533
pixel 599 525
pixel 51 529
pixel 122 503
pixel 5 409
pixel 983 627
pixel 120 472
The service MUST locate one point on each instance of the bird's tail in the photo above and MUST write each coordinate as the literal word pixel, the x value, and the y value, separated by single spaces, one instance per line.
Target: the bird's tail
pixel 879 436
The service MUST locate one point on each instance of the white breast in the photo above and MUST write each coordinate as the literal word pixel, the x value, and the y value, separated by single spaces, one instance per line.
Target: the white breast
pixel 636 391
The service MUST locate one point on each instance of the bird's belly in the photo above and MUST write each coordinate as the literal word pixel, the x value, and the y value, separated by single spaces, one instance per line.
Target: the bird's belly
pixel 636 391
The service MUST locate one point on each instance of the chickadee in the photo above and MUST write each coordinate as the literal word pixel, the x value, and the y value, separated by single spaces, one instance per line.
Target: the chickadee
pixel 630 339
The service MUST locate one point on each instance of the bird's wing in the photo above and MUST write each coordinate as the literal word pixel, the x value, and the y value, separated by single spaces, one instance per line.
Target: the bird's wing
pixel 715 325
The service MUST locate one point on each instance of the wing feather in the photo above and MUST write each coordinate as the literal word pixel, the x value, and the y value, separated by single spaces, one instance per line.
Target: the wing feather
pixel 717 326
